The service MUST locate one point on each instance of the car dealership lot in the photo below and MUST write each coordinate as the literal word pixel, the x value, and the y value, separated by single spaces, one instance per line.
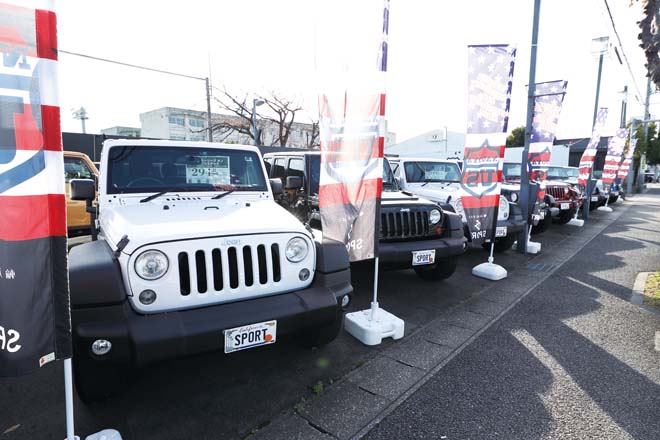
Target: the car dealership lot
pixel 217 395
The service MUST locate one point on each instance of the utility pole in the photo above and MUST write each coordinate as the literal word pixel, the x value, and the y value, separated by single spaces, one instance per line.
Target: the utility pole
pixel 531 99
pixel 81 114
pixel 647 116
pixel 624 106
pixel 209 122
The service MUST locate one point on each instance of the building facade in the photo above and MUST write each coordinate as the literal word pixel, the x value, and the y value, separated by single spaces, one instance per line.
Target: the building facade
pixel 122 131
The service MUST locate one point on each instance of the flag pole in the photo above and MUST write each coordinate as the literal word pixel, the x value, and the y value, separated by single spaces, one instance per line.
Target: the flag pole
pixel 68 393
pixel 374 303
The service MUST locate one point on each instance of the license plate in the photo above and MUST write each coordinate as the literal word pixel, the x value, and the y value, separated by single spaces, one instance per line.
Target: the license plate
pixel 423 257
pixel 542 215
pixel 565 206
pixel 500 231
pixel 250 336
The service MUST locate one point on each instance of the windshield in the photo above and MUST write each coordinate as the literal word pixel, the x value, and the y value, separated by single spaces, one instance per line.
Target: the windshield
pixel 140 169
pixel 573 172
pixel 558 173
pixel 432 172
pixel 511 170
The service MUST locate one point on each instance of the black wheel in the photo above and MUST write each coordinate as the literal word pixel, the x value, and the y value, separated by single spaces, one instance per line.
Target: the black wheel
pixel 320 336
pixel 501 244
pixel 97 381
pixel 565 216
pixel 442 269
pixel 613 199
pixel 543 225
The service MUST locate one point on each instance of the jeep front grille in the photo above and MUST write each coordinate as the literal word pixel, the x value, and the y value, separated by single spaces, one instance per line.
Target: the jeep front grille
pixel 229 268
pixel 404 224
pixel 557 192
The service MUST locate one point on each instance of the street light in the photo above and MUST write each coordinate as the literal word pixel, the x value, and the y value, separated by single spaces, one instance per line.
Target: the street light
pixel 255 133
pixel 599 47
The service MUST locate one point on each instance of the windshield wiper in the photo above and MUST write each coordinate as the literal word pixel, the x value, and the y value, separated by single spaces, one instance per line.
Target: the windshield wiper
pixel 226 193
pixel 153 196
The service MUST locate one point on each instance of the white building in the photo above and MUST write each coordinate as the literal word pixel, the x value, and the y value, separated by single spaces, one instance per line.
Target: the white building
pixel 438 143
pixel 122 131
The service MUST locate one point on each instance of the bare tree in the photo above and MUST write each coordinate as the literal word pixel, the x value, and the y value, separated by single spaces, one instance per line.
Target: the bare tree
pixel 312 138
pixel 284 113
pixel 240 109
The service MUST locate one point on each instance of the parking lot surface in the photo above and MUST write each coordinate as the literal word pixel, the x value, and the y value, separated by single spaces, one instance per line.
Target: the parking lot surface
pixel 233 396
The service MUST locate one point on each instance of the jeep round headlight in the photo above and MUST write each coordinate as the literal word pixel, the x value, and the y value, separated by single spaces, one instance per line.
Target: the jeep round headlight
pixel 514 197
pixel 434 216
pixel 296 250
pixel 151 265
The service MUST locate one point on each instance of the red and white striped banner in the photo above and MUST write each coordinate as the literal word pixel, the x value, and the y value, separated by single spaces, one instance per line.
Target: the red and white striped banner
pixel 34 298
pixel 624 168
pixel 589 155
pixel 352 121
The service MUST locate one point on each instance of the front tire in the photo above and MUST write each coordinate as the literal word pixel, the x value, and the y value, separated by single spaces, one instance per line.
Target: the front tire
pixel 565 216
pixel 501 244
pixel 442 269
pixel 543 225
pixel 323 335
pixel 97 381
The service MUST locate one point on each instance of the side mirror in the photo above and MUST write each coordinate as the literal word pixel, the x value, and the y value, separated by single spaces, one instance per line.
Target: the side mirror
pixel 276 185
pixel 82 189
pixel 294 182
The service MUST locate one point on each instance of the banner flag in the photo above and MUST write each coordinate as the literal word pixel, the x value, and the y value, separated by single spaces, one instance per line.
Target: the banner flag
pixel 35 324
pixel 351 67
pixel 548 100
pixel 613 159
pixel 490 75
pixel 624 169
pixel 589 155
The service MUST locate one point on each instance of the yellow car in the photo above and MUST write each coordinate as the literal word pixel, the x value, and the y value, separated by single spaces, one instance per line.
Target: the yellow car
pixel 77 166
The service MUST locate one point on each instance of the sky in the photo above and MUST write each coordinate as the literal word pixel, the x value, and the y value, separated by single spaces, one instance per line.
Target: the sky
pixel 257 46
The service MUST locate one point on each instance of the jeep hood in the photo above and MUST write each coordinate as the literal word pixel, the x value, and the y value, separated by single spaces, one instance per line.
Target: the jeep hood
pixel 389 198
pixel 436 191
pixel 154 221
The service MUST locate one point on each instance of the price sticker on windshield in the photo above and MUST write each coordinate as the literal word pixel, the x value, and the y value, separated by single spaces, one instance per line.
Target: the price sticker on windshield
pixel 213 170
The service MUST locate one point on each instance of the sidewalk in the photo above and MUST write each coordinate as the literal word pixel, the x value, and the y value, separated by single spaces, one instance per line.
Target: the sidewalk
pixel 574 359
pixel 394 385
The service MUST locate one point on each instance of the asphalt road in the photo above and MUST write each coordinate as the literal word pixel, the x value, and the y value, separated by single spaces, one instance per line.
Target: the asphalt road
pixel 574 359
pixel 220 396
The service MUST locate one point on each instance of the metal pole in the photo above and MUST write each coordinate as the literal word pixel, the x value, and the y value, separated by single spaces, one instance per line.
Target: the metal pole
pixel 631 172
pixel 68 394
pixel 209 122
pixel 374 303
pixel 254 122
pixel 590 184
pixel 531 89
pixel 624 107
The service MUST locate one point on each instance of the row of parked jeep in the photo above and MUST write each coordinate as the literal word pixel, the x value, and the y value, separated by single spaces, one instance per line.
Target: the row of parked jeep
pixel 205 246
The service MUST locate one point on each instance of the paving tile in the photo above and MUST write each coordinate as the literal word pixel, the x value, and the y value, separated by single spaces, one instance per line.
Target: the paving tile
pixel 343 409
pixel 418 352
pixel 467 319
pixel 485 307
pixel 442 332
pixel 501 295
pixel 386 377
pixel 290 426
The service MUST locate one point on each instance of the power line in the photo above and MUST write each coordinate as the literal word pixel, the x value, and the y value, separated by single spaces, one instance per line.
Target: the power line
pixel 625 57
pixel 166 72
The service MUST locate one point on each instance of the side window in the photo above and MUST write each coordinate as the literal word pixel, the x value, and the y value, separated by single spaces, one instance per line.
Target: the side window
pixel 268 163
pixel 278 168
pixel 76 168
pixel 315 174
pixel 296 168
pixel 396 169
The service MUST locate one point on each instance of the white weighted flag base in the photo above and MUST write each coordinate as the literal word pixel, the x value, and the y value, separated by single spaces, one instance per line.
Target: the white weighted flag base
pixel 489 271
pixel 106 434
pixel 533 247
pixel 576 222
pixel 371 329
pixel 605 209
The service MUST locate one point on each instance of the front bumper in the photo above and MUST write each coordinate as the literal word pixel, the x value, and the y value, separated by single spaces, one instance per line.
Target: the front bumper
pixel 141 339
pixel 397 255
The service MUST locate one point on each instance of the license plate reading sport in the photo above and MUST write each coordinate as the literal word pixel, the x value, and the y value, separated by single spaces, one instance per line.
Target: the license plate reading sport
pixel 423 257
pixel 250 336
pixel 565 206
pixel 500 231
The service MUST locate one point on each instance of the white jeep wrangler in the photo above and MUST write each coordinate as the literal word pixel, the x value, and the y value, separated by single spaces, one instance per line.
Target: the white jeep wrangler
pixel 193 255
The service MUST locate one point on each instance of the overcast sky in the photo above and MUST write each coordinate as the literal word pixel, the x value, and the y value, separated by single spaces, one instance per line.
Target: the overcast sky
pixel 261 45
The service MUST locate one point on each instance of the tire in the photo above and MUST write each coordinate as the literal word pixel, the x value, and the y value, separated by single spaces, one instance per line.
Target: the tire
pixel 320 336
pixel 501 244
pixel 613 200
pixel 442 269
pixel 542 226
pixel 565 216
pixel 97 381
